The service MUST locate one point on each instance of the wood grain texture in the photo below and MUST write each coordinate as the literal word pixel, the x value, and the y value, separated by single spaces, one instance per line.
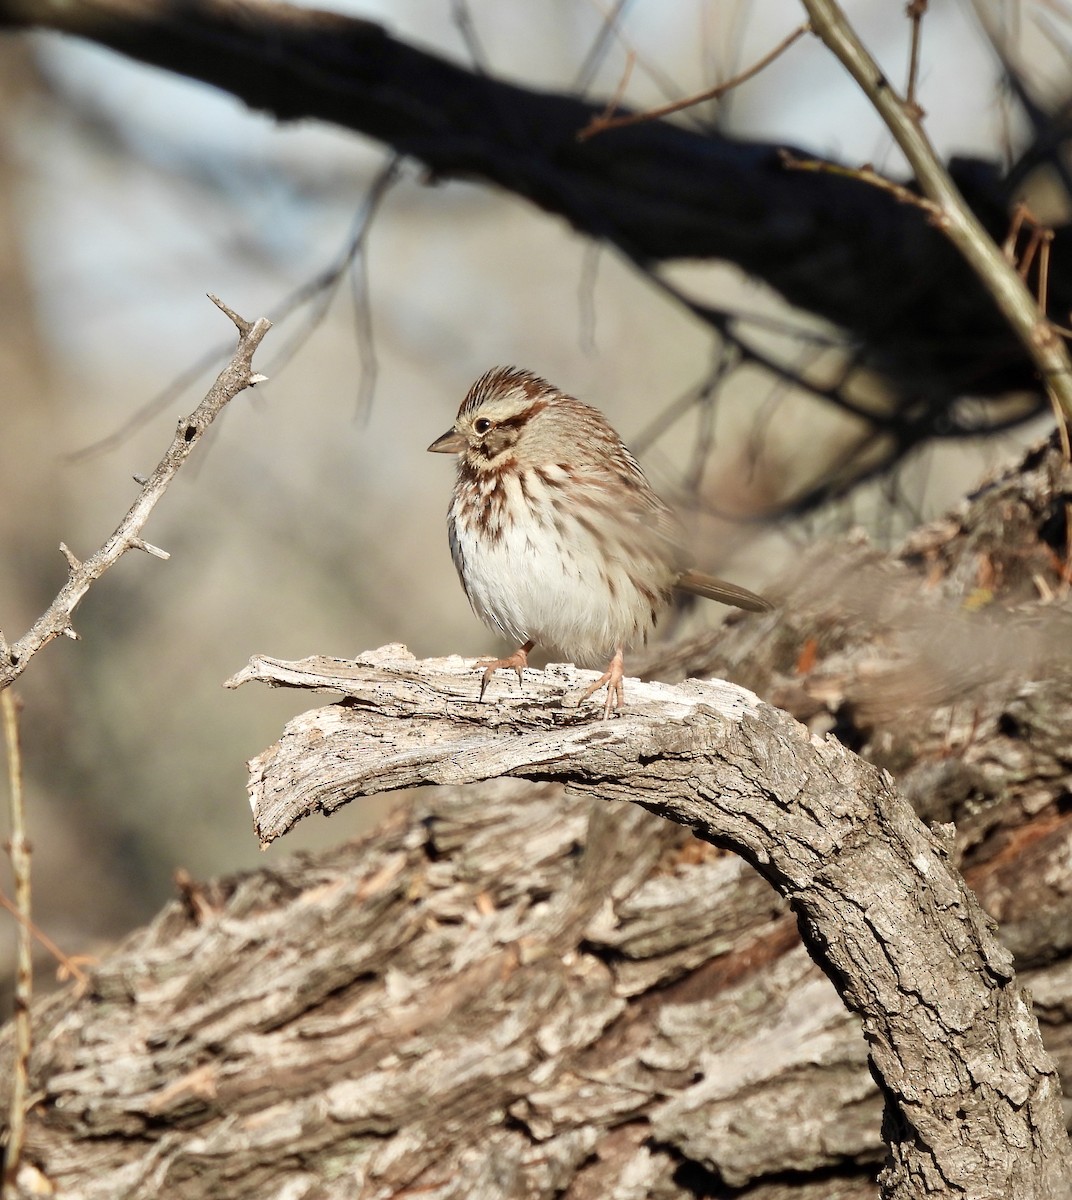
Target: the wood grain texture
pixel 495 995
pixel 952 1040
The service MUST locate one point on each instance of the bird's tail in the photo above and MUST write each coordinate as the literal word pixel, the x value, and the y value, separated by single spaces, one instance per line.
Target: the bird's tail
pixel 700 584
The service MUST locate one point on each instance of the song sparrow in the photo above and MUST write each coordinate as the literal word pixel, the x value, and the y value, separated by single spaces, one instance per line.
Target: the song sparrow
pixel 557 536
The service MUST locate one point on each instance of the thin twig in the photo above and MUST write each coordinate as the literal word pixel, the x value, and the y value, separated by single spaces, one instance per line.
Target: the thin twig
pixel 612 27
pixel 1020 215
pixel 606 121
pixel 321 287
pixel 56 620
pixel 466 26
pixel 1039 242
pixel 1028 259
pixel 598 49
pixel 1046 241
pixel 915 10
pixel 366 337
pixel 325 285
pixel 68 964
pixel 19 850
pixel 606 118
pixel 1066 440
pixel 865 174
pixel 958 222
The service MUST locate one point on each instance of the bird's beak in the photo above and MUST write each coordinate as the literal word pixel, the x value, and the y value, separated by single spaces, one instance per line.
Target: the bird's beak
pixel 451 442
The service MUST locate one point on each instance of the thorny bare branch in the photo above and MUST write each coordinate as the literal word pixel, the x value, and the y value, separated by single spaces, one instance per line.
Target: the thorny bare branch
pixel 56 620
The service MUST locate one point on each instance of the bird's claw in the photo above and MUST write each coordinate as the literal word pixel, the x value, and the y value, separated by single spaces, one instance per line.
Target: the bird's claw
pixel 612 677
pixel 517 661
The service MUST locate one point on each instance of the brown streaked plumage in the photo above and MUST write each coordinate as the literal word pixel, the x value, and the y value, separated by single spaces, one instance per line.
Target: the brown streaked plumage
pixel 555 532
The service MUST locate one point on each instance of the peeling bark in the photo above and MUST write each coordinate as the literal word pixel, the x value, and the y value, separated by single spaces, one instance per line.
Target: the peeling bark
pixel 952 1042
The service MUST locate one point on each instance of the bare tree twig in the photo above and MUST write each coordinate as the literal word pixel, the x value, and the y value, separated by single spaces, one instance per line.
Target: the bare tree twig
pixel 959 223
pixel 323 287
pixel 915 11
pixel 867 174
pixel 613 15
pixel 56 620
pixel 608 30
pixel 1039 240
pixel 878 904
pixel 20 863
pixel 466 26
pixel 69 966
pixel 319 291
pixel 605 120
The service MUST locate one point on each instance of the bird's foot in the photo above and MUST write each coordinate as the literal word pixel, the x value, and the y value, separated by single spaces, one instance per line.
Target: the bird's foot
pixel 612 677
pixel 517 661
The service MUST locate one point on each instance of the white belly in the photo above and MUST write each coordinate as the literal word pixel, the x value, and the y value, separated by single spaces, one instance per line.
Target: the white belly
pixel 554 581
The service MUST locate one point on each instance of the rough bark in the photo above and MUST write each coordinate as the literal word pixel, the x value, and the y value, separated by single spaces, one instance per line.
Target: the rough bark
pixel 949 664
pixel 511 991
pixel 494 996
pixel 950 1036
pixel 480 990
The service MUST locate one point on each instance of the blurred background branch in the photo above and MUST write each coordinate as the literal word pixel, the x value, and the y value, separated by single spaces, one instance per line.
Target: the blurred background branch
pixel 912 310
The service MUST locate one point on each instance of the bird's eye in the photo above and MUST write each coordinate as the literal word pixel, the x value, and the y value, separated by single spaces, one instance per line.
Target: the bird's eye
pixel 482 424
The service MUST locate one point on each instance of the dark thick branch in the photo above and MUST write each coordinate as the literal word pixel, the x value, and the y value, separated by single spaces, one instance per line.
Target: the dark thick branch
pixel 829 244
pixel 966 1081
